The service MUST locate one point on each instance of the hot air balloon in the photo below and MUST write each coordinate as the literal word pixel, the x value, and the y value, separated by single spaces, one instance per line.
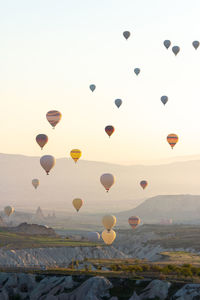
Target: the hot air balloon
pixel 164 99
pixel 108 236
pixel 47 162
pixel 143 184
pixel 75 154
pixel 109 221
pixel 195 44
pixel 35 182
pixel 109 130
pixel 107 180
pixel 77 203
pixel 118 102
pixel 137 71
pixel 126 34
pixel 176 49
pixel 167 44
pixel 93 236
pixel 172 139
pixel 41 139
pixel 92 87
pixel 53 117
pixel 134 221
pixel 9 210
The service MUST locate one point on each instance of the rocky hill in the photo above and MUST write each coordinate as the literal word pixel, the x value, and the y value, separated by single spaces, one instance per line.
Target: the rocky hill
pixel 32 229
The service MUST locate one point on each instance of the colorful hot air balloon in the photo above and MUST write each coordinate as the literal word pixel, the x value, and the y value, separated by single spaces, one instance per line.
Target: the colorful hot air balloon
pixel 53 117
pixel 92 87
pixel 195 44
pixel 109 130
pixel 47 162
pixel 107 180
pixel 109 222
pixel 75 154
pixel 118 102
pixel 175 49
pixel 35 182
pixel 137 71
pixel 167 44
pixel 93 236
pixel 77 203
pixel 108 236
pixel 126 34
pixel 143 184
pixel 172 139
pixel 134 221
pixel 41 139
pixel 164 99
pixel 9 210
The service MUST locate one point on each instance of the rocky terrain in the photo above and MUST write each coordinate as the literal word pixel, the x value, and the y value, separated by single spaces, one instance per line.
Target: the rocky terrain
pixel 32 229
pixel 39 287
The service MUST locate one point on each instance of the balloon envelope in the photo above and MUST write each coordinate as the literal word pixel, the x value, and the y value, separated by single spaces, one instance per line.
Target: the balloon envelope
pixel 172 139
pixel 75 154
pixel 93 236
pixel 126 34
pixel 53 117
pixel 92 87
pixel 107 180
pixel 77 203
pixel 176 49
pixel 47 162
pixel 109 221
pixel 109 130
pixel 118 102
pixel 195 44
pixel 8 210
pixel 35 182
pixel 134 221
pixel 137 71
pixel 143 184
pixel 167 44
pixel 164 99
pixel 41 139
pixel 108 236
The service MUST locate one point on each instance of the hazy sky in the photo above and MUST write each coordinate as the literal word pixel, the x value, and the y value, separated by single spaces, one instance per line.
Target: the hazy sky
pixel 51 51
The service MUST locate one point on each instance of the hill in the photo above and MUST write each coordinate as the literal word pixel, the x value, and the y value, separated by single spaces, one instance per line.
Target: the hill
pixel 179 208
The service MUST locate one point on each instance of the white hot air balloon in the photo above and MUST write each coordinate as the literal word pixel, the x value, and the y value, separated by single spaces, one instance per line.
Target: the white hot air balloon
pixel 47 162
pixel 93 236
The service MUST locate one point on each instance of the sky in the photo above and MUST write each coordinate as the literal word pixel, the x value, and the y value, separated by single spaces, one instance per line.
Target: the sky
pixel 51 51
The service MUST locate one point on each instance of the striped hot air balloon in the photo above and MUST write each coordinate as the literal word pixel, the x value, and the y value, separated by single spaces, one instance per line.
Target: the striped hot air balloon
pixel 41 139
pixel 109 130
pixel 143 184
pixel 53 117
pixel 172 139
pixel 134 221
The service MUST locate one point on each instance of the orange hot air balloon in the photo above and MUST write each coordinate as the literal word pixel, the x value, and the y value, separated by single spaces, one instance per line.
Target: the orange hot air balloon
pixel 109 130
pixel 53 117
pixel 172 139
pixel 41 139
pixel 143 184
pixel 134 221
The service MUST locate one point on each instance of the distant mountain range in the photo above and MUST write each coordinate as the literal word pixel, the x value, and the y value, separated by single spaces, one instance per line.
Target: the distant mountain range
pixel 69 180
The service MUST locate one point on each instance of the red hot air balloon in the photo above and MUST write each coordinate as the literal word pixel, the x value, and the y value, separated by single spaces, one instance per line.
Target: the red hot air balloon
pixel 41 139
pixel 143 184
pixel 134 221
pixel 172 139
pixel 109 130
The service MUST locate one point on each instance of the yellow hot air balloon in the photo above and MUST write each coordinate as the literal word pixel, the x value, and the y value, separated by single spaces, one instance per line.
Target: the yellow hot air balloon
pixel 47 162
pixel 77 203
pixel 53 117
pixel 9 210
pixel 108 236
pixel 109 221
pixel 35 182
pixel 75 154
pixel 107 180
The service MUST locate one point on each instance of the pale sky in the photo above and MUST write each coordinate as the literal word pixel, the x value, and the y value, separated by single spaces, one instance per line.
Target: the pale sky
pixel 51 51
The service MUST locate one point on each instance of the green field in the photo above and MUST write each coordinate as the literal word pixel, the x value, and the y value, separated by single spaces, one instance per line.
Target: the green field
pixel 9 240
